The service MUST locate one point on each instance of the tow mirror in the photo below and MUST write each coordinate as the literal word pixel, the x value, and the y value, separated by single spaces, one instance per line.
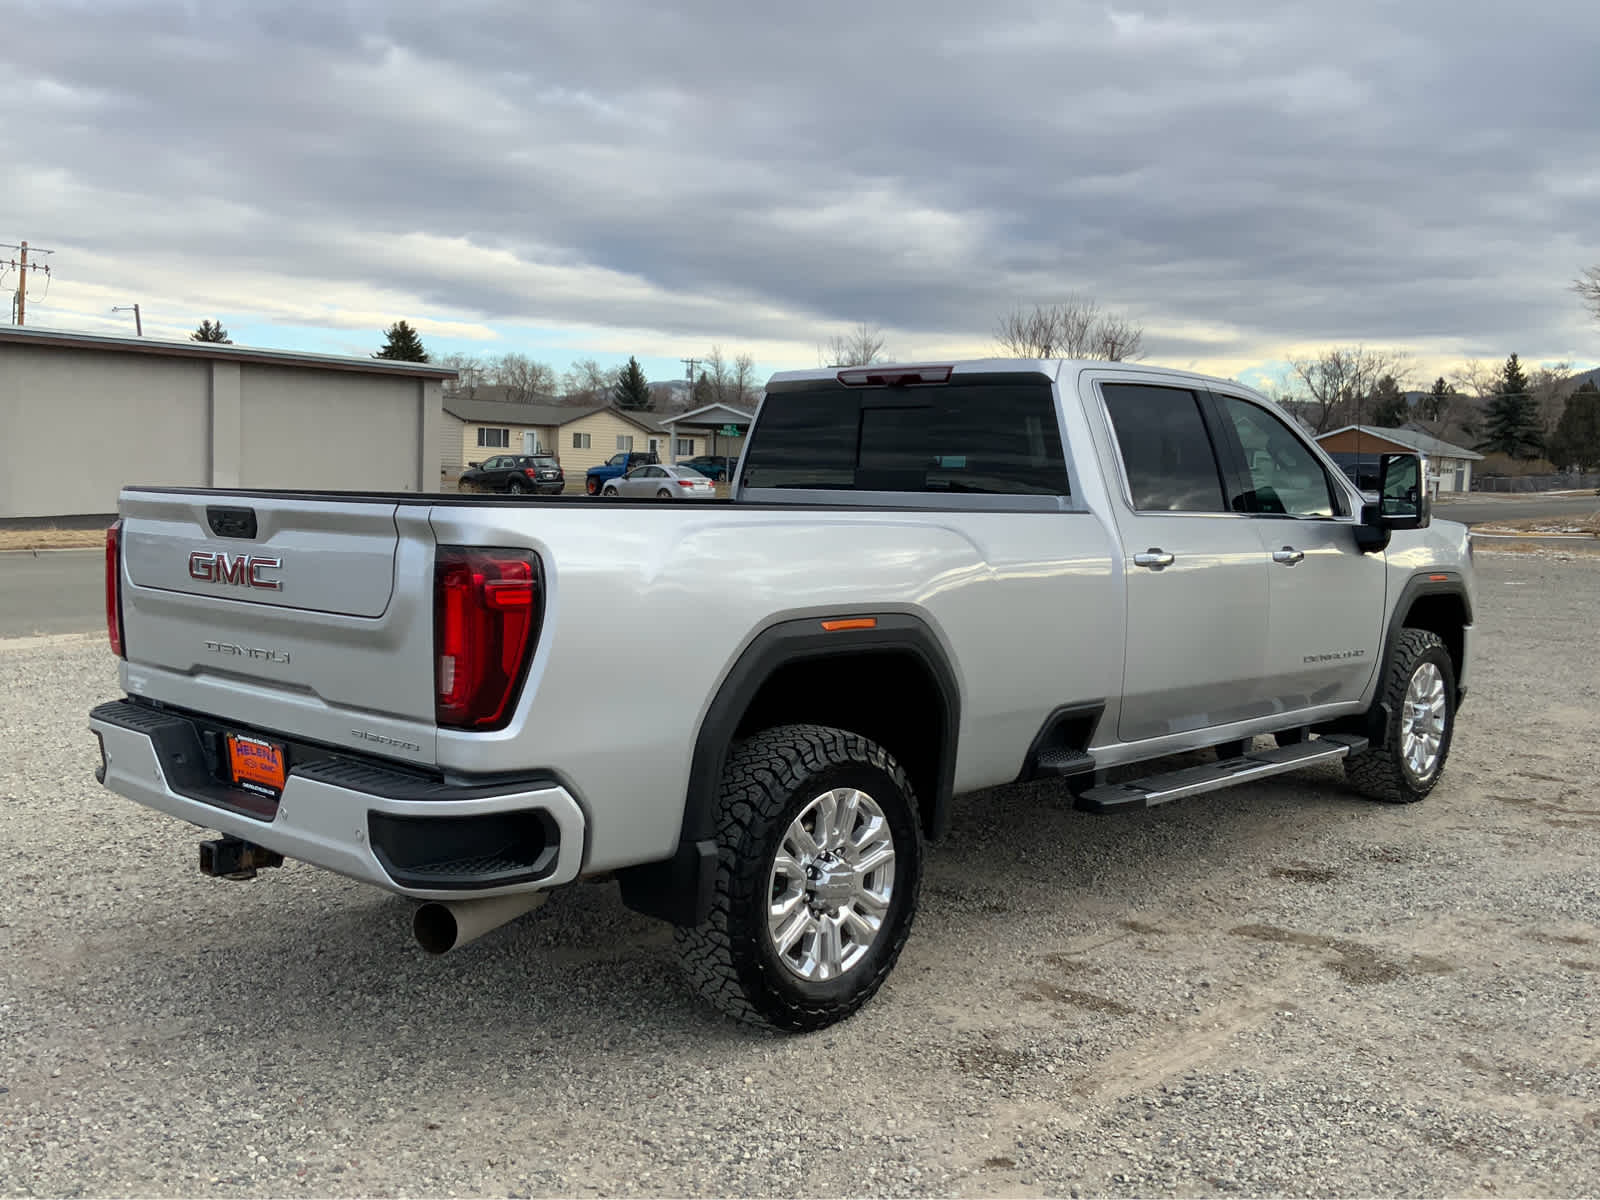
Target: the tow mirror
pixel 1403 501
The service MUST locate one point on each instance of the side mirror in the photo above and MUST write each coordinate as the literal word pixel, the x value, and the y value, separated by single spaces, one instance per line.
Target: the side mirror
pixel 1403 501
pixel 475 465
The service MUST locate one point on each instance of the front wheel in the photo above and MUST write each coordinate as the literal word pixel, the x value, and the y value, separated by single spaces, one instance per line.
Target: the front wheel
pixel 1420 689
pixel 611 491
pixel 819 862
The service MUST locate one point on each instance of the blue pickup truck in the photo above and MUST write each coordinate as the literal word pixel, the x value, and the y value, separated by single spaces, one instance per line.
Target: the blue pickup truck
pixel 617 465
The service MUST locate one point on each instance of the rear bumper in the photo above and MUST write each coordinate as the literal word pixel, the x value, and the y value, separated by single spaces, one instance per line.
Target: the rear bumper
pixel 409 835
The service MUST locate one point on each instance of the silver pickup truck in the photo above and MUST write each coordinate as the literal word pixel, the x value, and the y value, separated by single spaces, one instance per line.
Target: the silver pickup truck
pixel 927 580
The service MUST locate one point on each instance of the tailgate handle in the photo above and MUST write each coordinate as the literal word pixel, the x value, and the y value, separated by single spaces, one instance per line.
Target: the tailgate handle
pixel 231 522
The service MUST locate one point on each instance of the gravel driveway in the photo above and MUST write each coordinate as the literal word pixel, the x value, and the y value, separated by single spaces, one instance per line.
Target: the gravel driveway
pixel 1277 990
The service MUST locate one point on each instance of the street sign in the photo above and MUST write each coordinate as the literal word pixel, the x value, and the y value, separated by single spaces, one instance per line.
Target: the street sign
pixel 730 431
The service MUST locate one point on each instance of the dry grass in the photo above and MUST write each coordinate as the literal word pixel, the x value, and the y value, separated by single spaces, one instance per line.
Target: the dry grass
pixel 52 539
pixel 1583 523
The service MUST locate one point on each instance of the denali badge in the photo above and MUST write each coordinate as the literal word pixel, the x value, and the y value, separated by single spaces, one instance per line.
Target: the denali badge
pixel 260 653
pixel 241 570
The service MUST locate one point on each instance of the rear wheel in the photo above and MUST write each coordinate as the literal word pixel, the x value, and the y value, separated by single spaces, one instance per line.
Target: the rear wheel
pixel 516 487
pixel 819 861
pixel 663 494
pixel 592 486
pixel 1420 689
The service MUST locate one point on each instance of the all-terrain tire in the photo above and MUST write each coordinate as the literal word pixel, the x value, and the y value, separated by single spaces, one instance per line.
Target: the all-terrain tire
pixel 1387 774
pixel 592 486
pixel 770 780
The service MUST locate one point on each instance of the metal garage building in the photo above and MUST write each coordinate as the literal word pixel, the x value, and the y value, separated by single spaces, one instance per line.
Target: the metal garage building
pixel 82 415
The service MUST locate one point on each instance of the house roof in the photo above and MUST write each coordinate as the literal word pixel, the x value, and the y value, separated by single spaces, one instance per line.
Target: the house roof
pixel 713 414
pixel 1412 439
pixel 499 412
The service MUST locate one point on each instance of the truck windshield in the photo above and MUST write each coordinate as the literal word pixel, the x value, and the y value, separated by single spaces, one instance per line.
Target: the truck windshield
pixel 992 433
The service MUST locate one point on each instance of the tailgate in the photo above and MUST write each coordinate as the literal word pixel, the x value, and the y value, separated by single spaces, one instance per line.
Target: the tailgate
pixel 309 617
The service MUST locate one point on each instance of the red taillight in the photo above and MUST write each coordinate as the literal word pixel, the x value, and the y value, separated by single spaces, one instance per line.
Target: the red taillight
pixel 685 483
pixel 530 472
pixel 114 588
pixel 487 604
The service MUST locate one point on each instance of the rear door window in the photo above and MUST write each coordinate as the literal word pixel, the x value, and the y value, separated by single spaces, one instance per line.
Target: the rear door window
pixel 993 434
pixel 1167 454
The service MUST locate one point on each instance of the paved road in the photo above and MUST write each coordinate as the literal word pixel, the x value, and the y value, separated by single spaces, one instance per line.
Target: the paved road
pixel 1482 509
pixel 55 592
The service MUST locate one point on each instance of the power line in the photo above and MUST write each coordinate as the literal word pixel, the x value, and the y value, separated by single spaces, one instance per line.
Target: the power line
pixel 19 305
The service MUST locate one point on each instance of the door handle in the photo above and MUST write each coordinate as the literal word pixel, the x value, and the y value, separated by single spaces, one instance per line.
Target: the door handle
pixel 1288 556
pixel 1155 558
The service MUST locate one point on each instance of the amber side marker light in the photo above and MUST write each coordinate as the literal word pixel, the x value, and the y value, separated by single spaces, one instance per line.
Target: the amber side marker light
pixel 1438 579
pixel 841 624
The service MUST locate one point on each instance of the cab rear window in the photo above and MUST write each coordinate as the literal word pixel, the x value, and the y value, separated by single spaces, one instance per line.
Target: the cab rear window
pixel 995 434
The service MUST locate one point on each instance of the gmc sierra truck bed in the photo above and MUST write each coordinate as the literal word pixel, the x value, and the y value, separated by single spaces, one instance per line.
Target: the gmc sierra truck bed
pixel 929 580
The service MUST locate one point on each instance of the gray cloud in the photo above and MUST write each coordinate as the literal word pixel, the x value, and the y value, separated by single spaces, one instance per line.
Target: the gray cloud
pixel 1420 174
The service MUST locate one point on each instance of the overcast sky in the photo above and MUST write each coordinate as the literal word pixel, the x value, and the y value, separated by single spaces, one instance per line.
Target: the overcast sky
pixel 572 178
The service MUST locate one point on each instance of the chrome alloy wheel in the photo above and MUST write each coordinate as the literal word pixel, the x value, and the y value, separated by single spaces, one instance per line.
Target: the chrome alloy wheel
pixel 830 886
pixel 1422 721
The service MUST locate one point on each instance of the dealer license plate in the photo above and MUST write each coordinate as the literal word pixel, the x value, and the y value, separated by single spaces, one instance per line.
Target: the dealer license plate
pixel 257 765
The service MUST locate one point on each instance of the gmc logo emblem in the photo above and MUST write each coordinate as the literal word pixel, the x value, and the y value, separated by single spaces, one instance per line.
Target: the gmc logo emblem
pixel 240 570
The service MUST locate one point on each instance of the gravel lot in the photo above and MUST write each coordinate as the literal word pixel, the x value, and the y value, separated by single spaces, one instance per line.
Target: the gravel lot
pixel 1277 990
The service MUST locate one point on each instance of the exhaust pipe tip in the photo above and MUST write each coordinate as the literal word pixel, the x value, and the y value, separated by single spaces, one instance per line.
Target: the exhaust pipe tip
pixel 442 925
pixel 434 927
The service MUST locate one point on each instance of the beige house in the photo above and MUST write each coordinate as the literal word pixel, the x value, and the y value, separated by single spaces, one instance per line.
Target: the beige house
pixel 580 437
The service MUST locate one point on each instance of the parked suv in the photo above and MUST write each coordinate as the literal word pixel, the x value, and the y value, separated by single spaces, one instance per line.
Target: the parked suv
pixel 515 473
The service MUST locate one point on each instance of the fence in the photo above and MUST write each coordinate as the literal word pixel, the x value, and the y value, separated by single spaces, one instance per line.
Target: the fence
pixel 1533 483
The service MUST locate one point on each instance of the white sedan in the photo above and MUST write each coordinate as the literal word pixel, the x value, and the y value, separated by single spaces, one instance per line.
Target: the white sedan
pixel 662 482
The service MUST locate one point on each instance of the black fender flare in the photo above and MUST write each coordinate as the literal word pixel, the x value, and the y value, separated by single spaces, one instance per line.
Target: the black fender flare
pixel 678 889
pixel 1436 581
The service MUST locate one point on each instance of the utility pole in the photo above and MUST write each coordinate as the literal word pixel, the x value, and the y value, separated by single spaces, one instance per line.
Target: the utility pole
pixel 691 363
pixel 24 266
pixel 138 322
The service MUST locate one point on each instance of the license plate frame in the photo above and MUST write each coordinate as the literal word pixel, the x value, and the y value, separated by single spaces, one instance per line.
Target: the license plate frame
pixel 257 765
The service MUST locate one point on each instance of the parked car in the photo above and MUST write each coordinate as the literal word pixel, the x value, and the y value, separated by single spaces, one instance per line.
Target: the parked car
pixel 1011 570
pixel 616 467
pixel 662 482
pixel 713 466
pixel 515 473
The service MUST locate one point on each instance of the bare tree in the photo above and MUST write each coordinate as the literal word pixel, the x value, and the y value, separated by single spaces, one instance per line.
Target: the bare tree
pixel 586 383
pixel 1117 339
pixel 1550 386
pixel 862 345
pixel 1588 286
pixel 1076 327
pixel 471 372
pixel 744 380
pixel 525 380
pixel 1332 388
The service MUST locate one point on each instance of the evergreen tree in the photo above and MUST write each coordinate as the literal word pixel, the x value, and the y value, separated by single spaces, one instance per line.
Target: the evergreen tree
pixel 632 390
pixel 1388 404
pixel 402 344
pixel 702 393
pixel 1576 440
pixel 1511 421
pixel 210 331
pixel 1437 402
